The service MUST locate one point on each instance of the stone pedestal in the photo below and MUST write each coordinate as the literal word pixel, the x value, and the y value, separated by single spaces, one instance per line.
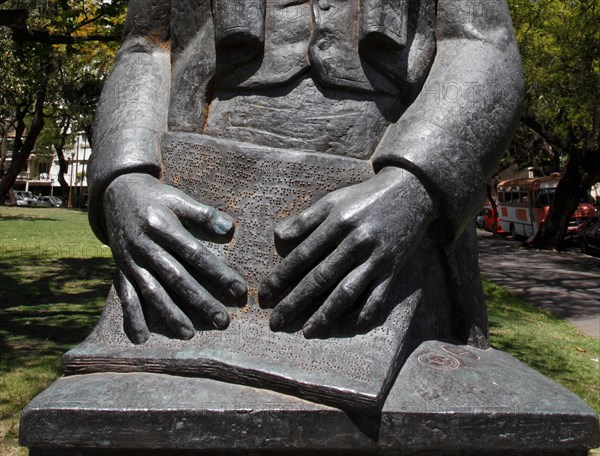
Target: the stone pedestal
pixel 446 400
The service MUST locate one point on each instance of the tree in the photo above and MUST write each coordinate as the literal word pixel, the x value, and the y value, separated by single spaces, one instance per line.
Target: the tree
pixel 23 105
pixel 55 57
pixel 560 46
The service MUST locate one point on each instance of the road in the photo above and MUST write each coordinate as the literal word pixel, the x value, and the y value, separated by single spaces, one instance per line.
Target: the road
pixel 565 283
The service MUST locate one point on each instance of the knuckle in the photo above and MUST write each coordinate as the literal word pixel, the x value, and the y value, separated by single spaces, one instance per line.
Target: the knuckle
pixel 346 291
pixel 319 279
pixel 210 213
pixel 154 222
pixel 303 254
pixel 152 289
pixel 342 217
pixel 364 234
pixel 175 279
pixel 196 254
pixel 174 274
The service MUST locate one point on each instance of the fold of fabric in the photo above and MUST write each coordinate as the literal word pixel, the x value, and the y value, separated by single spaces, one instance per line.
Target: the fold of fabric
pixel 240 27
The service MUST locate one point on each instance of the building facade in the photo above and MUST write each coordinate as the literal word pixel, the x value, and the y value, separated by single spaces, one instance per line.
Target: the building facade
pixel 40 176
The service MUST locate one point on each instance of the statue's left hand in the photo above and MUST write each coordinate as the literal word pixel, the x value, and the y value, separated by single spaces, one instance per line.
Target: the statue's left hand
pixel 350 244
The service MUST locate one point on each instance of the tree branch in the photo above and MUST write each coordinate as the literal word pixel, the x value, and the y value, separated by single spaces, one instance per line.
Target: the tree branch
pixel 16 20
pixel 90 20
pixel 594 141
pixel 548 136
pixel 591 156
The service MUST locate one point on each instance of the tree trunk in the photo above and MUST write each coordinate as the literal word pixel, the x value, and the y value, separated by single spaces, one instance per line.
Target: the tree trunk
pixel 88 129
pixel 583 171
pixel 566 199
pixel 3 150
pixel 494 210
pixel 63 165
pixel 591 156
pixel 23 150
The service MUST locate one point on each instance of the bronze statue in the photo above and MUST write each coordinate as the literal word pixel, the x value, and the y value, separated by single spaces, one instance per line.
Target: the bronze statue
pixel 288 188
pixel 323 158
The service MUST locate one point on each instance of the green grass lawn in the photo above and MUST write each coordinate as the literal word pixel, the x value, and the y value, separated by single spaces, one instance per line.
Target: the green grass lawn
pixel 54 276
pixel 546 343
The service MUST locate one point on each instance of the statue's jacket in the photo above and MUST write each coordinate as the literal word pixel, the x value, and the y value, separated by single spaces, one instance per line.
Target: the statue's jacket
pixel 256 45
pixel 444 77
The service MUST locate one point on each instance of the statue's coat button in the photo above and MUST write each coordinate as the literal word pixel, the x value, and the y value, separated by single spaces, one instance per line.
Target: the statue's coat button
pixel 323 44
pixel 324 5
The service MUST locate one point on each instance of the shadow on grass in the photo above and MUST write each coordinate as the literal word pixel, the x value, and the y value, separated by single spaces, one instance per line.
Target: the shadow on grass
pixel 26 218
pixel 43 316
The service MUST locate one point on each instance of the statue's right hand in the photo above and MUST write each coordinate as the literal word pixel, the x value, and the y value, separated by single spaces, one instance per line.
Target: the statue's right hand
pixel 149 227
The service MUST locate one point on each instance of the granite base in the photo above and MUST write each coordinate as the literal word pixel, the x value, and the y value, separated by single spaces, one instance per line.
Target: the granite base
pixel 447 399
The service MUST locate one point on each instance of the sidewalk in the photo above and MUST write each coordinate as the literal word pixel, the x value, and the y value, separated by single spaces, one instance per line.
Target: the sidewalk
pixel 565 283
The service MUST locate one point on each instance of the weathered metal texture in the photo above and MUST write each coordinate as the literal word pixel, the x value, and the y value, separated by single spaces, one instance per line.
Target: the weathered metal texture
pixel 259 186
pixel 336 151
pixel 448 399
pixel 322 82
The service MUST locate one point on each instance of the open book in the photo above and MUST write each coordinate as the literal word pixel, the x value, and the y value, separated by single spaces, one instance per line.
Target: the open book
pixel 259 186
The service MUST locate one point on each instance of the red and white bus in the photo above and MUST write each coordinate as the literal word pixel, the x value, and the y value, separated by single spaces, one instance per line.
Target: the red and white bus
pixel 523 205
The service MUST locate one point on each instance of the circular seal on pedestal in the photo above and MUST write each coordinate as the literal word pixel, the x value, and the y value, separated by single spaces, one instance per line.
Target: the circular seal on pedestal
pixel 439 361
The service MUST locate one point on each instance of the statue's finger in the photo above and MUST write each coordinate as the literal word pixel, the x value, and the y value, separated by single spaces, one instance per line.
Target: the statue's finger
pixel 371 311
pixel 301 225
pixel 155 295
pixel 229 283
pixel 181 282
pixel 196 214
pixel 303 258
pixel 317 282
pixel 340 300
pixel 135 322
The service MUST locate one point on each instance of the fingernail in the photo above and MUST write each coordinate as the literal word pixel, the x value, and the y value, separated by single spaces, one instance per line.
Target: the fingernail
pixel 223 225
pixel 221 320
pixel 187 333
pixel 310 330
pixel 281 231
pixel 264 292
pixel 276 321
pixel 237 289
pixel 140 337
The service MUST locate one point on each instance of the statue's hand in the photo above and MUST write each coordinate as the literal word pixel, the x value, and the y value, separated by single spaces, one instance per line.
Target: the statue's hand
pixel 149 227
pixel 350 244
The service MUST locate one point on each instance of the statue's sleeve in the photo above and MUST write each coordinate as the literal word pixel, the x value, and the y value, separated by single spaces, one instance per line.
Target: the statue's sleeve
pixel 132 113
pixel 454 133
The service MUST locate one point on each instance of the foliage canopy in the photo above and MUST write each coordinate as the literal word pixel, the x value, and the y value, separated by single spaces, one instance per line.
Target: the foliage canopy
pixel 55 57
pixel 559 42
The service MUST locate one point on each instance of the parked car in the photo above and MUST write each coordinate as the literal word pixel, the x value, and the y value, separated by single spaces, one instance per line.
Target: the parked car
pixel 21 201
pixel 588 235
pixel 25 198
pixel 49 201
pixel 485 220
pixel 584 211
